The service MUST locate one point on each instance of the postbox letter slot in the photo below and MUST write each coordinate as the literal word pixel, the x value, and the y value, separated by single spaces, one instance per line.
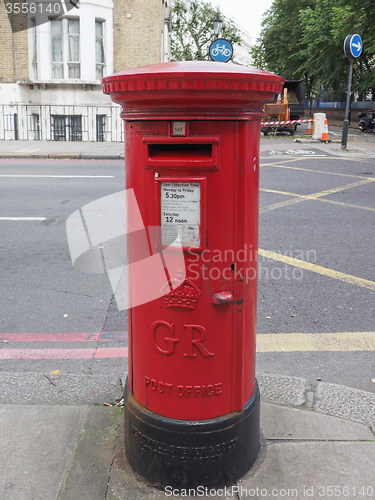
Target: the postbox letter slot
pixel 180 152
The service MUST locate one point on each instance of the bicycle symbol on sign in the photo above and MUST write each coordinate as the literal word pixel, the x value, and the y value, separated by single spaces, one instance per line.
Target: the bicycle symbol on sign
pixel 220 49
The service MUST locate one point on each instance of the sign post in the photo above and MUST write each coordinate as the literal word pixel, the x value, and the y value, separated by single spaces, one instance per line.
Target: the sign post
pixel 352 49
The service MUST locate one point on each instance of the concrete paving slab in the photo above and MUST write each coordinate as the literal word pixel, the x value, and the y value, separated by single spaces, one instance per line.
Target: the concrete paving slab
pixel 345 402
pixel 282 389
pixel 281 423
pixel 35 388
pixel 315 470
pixel 35 448
pixel 90 467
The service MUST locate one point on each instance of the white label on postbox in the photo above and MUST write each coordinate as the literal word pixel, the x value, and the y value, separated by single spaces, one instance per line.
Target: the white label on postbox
pixel 179 129
pixel 181 214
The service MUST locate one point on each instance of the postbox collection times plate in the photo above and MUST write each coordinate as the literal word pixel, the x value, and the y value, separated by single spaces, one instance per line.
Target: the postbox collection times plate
pixel 180 204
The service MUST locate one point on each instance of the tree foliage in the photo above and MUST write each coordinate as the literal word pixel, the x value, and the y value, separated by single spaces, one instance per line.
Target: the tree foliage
pixel 193 32
pixel 304 39
pixel 280 38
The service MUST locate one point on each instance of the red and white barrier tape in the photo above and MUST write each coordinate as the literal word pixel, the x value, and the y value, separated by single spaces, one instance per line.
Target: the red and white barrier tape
pixel 287 122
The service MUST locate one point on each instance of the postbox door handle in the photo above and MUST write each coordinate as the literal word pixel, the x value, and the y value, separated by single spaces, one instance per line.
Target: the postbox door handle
pixel 222 298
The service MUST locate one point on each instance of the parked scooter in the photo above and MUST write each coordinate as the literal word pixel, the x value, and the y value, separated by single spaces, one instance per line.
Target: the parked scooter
pixel 367 121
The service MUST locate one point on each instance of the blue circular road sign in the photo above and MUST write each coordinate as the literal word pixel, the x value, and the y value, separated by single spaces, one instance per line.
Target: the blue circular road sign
pixel 221 50
pixel 353 46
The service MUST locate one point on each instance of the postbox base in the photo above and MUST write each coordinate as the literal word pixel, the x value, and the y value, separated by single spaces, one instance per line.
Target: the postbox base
pixel 190 453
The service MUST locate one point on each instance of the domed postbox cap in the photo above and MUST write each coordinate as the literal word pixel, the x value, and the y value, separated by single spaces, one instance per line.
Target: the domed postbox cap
pixel 192 89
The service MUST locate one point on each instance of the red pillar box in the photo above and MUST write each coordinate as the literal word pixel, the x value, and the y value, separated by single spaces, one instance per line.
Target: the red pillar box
pixel 192 133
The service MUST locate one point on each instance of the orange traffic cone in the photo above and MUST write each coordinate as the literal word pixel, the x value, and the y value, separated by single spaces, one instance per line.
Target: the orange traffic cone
pixel 309 131
pixel 325 137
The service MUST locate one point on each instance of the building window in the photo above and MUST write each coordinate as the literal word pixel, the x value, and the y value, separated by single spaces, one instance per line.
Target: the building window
pixel 99 49
pixel 100 128
pixel 57 48
pixel 75 128
pixel 35 126
pixel 73 51
pixel 34 49
pixel 67 128
pixel 65 42
pixel 59 132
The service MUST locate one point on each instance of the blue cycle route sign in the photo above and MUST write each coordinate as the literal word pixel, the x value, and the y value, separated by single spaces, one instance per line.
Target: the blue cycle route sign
pixel 353 46
pixel 221 50
pixel 352 50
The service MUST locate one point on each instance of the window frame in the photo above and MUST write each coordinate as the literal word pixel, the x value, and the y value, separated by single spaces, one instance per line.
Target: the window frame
pixel 67 37
pixel 101 37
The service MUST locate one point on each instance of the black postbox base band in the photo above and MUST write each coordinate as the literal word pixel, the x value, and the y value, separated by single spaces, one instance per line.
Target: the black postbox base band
pixel 191 453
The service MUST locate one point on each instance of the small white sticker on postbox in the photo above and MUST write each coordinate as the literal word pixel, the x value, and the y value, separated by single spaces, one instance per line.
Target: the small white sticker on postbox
pixel 179 129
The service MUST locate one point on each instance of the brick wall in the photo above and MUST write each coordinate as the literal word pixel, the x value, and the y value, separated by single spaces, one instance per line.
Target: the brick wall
pixel 14 62
pixel 137 31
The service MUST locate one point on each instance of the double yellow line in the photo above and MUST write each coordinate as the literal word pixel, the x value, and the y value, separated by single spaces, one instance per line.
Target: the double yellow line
pixel 324 271
pixel 297 198
pixel 304 342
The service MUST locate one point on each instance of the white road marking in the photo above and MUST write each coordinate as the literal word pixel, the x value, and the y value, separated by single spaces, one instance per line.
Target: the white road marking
pixel 27 219
pixel 57 176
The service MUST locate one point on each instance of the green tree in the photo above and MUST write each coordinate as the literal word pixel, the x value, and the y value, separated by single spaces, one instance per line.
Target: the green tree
pixel 192 30
pixel 363 22
pixel 304 39
pixel 321 50
pixel 280 39
pixel 326 27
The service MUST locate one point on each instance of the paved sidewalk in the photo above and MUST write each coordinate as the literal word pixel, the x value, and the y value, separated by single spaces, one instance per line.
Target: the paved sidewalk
pixel 316 442
pixel 62 150
pixel 358 146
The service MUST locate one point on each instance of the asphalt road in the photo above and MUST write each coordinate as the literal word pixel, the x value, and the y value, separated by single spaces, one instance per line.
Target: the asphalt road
pixel 42 293
pixel 316 209
pixel 319 209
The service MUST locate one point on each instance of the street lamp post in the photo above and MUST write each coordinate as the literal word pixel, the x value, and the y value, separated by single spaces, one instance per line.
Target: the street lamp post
pixel 221 49
pixel 217 26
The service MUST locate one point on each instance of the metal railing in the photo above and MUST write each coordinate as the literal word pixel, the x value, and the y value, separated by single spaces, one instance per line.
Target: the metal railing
pixel 61 123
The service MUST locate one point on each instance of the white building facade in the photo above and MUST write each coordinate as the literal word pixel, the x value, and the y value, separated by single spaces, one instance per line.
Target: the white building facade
pixel 58 96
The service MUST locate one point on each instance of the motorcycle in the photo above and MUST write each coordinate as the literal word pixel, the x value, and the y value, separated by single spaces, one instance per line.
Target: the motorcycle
pixel 367 121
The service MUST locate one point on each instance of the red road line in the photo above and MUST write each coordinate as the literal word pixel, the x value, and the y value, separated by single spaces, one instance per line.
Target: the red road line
pixel 82 353
pixel 111 352
pixel 64 337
